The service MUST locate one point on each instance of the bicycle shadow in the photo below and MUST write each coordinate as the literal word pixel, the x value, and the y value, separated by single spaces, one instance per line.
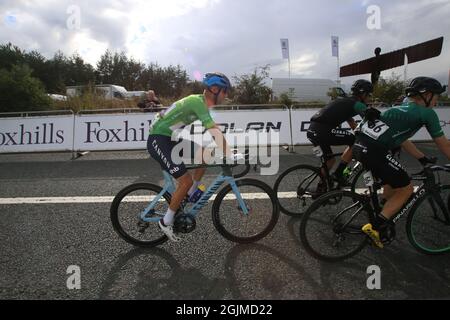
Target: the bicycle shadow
pixel 253 271
pixel 272 275
pixel 405 273
pixel 159 276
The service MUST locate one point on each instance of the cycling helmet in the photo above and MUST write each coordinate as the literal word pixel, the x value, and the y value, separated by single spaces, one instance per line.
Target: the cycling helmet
pixel 216 79
pixel 422 85
pixel 362 86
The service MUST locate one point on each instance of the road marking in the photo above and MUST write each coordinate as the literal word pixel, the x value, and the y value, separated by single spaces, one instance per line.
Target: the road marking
pixel 75 200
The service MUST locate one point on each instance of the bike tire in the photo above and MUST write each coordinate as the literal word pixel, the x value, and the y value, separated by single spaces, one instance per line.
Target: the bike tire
pixel 328 230
pixel 421 224
pixel 138 188
pixel 298 203
pixel 266 218
pixel 241 171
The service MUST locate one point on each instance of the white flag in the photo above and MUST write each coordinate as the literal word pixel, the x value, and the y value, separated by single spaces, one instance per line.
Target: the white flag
pixel 335 46
pixel 285 48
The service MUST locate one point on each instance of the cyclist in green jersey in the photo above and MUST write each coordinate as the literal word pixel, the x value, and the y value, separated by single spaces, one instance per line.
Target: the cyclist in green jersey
pixel 393 129
pixel 160 142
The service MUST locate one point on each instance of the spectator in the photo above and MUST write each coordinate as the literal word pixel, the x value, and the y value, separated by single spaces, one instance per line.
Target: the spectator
pixel 150 102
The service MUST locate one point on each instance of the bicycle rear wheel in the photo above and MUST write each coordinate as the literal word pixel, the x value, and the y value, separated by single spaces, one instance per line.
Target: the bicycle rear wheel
pixel 331 228
pixel 297 187
pixel 231 221
pixel 125 214
pixel 426 226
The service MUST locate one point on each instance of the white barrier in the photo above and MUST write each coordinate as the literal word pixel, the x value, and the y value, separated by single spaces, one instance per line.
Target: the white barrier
pixel 112 131
pixel 130 131
pixel 37 134
pixel 300 119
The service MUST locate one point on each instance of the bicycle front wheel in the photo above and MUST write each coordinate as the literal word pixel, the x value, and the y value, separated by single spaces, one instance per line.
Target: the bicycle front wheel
pixel 331 228
pixel 233 223
pixel 298 187
pixel 427 228
pixel 127 208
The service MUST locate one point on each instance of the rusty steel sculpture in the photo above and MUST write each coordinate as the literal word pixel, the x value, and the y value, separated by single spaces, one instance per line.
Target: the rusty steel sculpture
pixel 381 62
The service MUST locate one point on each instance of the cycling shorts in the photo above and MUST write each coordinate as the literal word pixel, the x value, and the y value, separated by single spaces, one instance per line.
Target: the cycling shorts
pixel 160 148
pixel 325 136
pixel 380 161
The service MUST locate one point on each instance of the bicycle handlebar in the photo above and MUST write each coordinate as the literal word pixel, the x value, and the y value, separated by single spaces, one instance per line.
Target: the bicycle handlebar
pixel 430 168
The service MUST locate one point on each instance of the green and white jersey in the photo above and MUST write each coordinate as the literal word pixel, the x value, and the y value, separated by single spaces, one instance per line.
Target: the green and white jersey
pixel 398 124
pixel 183 113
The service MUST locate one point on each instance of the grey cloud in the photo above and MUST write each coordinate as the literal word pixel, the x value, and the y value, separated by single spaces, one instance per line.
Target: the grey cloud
pixel 235 36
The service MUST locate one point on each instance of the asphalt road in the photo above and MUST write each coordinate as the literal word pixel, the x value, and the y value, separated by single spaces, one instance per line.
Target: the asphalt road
pixel 38 242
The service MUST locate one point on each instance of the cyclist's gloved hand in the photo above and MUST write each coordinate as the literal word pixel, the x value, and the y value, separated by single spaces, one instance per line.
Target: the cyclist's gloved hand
pixel 372 114
pixel 427 160
pixel 235 157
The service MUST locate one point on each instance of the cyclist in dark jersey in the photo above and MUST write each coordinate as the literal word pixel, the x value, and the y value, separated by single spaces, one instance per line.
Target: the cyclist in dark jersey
pixel 325 130
pixel 161 143
pixel 393 129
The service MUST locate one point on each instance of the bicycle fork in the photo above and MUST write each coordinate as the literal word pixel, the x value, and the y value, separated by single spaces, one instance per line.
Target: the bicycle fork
pixel 242 206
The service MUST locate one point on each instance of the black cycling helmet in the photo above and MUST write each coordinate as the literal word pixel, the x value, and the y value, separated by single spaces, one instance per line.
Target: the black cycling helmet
pixel 422 85
pixel 362 86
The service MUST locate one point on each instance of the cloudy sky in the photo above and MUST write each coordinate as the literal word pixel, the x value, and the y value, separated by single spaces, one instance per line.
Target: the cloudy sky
pixel 232 36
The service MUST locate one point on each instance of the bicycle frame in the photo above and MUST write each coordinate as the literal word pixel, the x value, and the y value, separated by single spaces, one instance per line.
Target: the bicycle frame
pixel 169 186
pixel 358 167
pixel 429 186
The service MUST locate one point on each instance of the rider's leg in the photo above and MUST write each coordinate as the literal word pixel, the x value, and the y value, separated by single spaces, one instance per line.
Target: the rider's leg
pixel 388 192
pixel 330 163
pixel 396 201
pixel 344 138
pixel 183 186
pixel 346 158
pixel 202 156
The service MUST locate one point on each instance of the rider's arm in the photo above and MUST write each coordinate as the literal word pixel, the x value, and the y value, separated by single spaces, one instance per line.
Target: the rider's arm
pixel 435 130
pixel 443 145
pixel 411 148
pixel 219 138
pixel 352 123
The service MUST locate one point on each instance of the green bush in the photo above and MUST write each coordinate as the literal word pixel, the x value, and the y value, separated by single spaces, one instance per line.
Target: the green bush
pixel 21 92
pixel 250 88
pixel 389 90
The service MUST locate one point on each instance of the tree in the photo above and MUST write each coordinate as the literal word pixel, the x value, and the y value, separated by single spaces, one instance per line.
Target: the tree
pixel 21 92
pixel 286 99
pixel 250 88
pixel 10 55
pixel 389 90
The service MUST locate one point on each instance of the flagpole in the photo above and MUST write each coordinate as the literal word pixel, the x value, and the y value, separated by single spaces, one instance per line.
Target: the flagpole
pixel 405 72
pixel 338 71
pixel 289 62
pixel 335 53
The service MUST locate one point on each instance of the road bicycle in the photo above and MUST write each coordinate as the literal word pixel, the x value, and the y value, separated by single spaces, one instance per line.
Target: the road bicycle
pixel 333 233
pixel 244 211
pixel 297 187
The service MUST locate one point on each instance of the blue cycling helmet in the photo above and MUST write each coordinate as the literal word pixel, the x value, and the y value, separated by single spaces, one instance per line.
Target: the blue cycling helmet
pixel 216 79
